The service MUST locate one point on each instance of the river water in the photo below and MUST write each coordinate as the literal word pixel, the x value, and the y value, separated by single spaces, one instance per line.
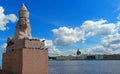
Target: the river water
pixel 85 67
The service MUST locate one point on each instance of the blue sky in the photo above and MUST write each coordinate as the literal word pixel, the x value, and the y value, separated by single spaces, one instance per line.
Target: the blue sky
pixel 66 25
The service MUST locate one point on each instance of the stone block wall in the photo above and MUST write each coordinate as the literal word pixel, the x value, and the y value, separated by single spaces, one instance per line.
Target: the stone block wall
pixel 26 61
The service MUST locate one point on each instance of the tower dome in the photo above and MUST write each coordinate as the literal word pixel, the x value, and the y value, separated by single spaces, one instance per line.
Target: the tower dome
pixel 78 52
pixel 23 12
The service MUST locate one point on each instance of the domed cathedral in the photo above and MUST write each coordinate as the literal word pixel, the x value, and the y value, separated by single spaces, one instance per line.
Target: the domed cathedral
pixel 78 52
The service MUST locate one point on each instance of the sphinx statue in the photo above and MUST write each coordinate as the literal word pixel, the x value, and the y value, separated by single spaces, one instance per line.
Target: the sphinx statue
pixel 23 29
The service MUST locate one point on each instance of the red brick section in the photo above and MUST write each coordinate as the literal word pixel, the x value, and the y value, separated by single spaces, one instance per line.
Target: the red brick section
pixel 26 61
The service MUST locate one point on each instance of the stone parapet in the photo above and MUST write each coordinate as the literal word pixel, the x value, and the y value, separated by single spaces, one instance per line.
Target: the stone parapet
pixel 27 43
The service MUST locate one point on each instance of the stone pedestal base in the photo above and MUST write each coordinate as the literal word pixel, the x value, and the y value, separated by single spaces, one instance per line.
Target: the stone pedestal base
pixel 25 61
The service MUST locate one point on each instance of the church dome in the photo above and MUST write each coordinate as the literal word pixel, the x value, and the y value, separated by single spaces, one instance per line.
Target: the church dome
pixel 78 52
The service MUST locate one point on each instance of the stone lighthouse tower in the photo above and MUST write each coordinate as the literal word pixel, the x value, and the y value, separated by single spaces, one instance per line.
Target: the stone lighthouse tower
pixel 24 55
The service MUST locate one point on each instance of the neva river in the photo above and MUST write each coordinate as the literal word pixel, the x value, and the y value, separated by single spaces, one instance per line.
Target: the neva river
pixel 85 67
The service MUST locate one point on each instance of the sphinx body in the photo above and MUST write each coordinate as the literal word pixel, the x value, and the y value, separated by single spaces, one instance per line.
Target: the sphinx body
pixel 23 29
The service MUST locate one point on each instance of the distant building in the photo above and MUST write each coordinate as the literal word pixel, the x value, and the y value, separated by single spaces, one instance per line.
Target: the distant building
pixel 90 57
pixel 78 52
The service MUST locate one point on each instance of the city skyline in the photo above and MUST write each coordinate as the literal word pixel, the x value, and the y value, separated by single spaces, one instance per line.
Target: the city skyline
pixel 66 25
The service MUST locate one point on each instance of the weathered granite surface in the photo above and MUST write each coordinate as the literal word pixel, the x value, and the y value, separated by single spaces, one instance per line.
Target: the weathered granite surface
pixel 23 29
pixel 24 55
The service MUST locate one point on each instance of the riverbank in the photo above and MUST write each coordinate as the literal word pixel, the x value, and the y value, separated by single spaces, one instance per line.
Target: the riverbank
pixel 87 57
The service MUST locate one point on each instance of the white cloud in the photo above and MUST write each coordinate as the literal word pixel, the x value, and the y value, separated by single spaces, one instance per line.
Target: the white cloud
pixel 97 50
pixel 109 33
pixel 4 19
pixel 109 45
pixel 118 17
pixel 67 36
pixel 118 27
pixel 112 41
pixel 100 28
pixel 3 47
pixel 52 50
